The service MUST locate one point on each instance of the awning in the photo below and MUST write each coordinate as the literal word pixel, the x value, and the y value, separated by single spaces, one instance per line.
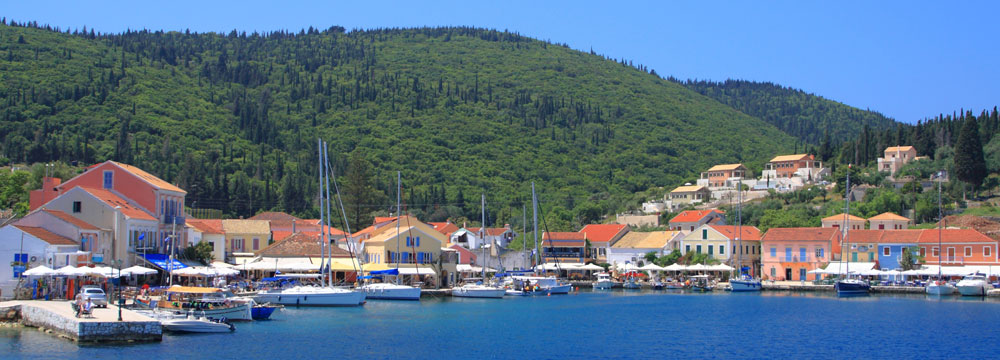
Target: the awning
pixel 410 270
pixel 162 261
pixel 839 268
pixel 339 264
pixel 192 289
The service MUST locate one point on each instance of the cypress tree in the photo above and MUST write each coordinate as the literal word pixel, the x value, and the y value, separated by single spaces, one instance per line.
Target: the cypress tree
pixel 970 166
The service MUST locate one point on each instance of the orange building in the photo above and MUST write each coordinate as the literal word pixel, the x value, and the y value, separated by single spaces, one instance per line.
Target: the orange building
pixel 718 175
pixel 785 166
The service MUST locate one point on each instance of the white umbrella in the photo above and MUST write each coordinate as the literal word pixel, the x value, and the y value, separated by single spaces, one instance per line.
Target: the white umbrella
pixel 626 267
pixel 675 267
pixel 816 271
pixel 39 271
pixel 590 267
pixel 68 270
pixel 226 272
pixel 698 267
pixel 652 267
pixel 219 264
pixel 870 272
pixel 138 270
pixel 721 267
pixel 188 271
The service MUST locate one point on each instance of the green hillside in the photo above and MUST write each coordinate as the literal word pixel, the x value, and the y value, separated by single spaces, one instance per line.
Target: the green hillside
pixel 803 115
pixel 460 111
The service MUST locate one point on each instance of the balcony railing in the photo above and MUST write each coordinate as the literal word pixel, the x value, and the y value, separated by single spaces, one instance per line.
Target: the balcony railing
pixel 798 259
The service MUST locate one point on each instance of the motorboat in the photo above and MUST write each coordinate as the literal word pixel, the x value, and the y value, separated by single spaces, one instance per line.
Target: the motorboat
pixel 550 284
pixel 208 300
pixel 852 287
pixel 940 287
pixel 974 285
pixel 701 283
pixel 478 291
pixel 673 285
pixel 199 324
pixel 390 291
pixel 631 284
pixel 305 295
pixel 744 284
pixel 603 281
pixel 523 286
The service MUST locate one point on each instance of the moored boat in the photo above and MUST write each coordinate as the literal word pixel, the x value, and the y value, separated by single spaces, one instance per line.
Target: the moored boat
pixel 196 324
pixel 390 291
pixel 940 287
pixel 701 283
pixel 312 296
pixel 603 281
pixel 852 287
pixel 210 301
pixel 745 284
pixel 974 285
pixel 478 291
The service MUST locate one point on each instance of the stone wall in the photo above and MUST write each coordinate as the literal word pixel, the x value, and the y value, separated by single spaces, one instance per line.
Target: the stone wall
pixel 10 314
pixel 91 331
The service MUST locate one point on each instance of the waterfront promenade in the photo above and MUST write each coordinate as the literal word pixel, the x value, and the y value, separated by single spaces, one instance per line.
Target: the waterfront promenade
pixel 101 326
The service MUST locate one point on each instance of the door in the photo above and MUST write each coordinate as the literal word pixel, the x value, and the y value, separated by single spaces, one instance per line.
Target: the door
pixel 802 274
pixel 788 274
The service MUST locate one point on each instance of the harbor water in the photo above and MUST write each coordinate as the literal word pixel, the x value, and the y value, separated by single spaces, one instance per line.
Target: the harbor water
pixel 613 324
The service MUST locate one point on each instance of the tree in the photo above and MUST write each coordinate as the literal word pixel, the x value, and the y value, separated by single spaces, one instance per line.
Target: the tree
pixel 201 252
pixel 911 259
pixel 359 193
pixel 970 165
pixel 650 257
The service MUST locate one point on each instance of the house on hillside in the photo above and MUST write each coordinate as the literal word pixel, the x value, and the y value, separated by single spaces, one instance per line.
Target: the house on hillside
pixel 889 221
pixel 723 176
pixel 895 157
pixel 688 195
pixel 725 244
pixel 837 221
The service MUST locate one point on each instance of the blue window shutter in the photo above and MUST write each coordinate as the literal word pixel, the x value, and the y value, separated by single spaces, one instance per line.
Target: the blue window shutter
pixel 418 241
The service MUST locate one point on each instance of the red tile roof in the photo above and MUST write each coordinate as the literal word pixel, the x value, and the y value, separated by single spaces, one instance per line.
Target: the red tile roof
pixel 564 239
pixel 150 178
pixel 746 232
pixel 908 236
pixel 603 232
pixel 299 245
pixel 47 236
pixel 114 200
pixel 840 217
pixel 383 219
pixel 445 228
pixel 70 219
pixel 888 216
pixel 273 215
pixel 801 234
pixel 207 226
pixel 489 231
pixel 954 236
pixel 692 215
pixel 864 236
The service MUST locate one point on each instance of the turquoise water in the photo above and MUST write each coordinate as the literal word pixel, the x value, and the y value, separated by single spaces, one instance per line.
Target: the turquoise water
pixel 616 324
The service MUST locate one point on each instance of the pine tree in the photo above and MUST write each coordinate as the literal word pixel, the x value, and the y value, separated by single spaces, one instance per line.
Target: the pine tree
pixel 970 165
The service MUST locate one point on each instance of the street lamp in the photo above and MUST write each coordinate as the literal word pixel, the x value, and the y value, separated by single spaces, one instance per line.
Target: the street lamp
pixel 121 301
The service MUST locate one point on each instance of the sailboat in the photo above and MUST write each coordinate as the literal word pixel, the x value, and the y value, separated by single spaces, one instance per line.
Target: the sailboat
pixel 388 290
pixel 940 286
pixel 482 290
pixel 848 286
pixel 744 282
pixel 317 295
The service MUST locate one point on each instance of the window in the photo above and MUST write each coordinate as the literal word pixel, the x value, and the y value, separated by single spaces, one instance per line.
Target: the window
pixel 109 179
pixel 773 271
pixel 802 254
pixel 923 251
pixel 710 250
pixel 774 252
pixel 854 257
pixel 256 243
pixel 881 226
pixel 968 251
pixel 23 259
pixel 722 249
pixel 986 251
pixel 935 251
pixel 704 234
pixel 687 248
pixel 77 207
pixel 237 244
pixel 788 253
pixel 885 251
pixel 698 248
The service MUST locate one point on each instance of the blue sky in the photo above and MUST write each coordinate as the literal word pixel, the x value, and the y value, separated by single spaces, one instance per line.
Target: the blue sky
pixel 908 60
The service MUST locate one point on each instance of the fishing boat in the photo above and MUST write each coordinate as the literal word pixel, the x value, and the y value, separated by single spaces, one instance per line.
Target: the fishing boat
pixel 523 286
pixel 263 311
pixel 974 285
pixel 631 282
pixel 744 282
pixel 701 283
pixel 387 290
pixel 482 290
pixel 603 281
pixel 196 324
pixel 940 286
pixel 673 285
pixel 849 286
pixel 550 284
pixel 208 300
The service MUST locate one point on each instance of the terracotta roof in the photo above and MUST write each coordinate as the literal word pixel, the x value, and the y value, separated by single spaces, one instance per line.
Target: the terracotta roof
pixel 489 231
pixel 795 157
pixel 114 200
pixel 865 236
pixel 888 216
pixel 954 236
pixel 750 233
pixel 725 167
pixel 150 178
pixel 70 219
pixel 644 240
pixel 840 217
pixel 274 215
pixel 242 226
pixel 900 148
pixel 688 188
pixel 207 226
pixel 801 234
pixel 382 219
pixel 908 236
pixel 47 236
pixel 299 245
pixel 563 235
pixel 363 232
pixel 603 232
pixel 692 215
pixel 445 228
pixel 403 231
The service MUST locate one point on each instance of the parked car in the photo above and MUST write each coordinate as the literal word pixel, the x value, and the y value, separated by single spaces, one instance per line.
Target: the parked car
pixel 96 295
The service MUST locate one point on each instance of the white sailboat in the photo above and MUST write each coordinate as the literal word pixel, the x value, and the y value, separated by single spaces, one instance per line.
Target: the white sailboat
pixel 744 282
pixel 483 290
pixel 940 286
pixel 386 290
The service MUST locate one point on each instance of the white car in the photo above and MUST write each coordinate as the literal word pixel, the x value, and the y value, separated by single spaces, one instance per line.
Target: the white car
pixel 96 295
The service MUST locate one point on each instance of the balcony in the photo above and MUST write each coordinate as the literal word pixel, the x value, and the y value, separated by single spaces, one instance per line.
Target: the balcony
pixel 168 219
pixel 806 259
pixel 575 254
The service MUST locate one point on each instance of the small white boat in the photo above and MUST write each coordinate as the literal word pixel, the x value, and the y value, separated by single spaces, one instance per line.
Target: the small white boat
pixel 192 324
pixel 974 285
pixel 940 287
pixel 478 291
pixel 312 296
pixel 390 291
pixel 211 301
pixel 603 281
pixel 745 284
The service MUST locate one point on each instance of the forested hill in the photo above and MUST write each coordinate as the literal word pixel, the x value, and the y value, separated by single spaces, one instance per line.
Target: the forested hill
pixel 800 114
pixel 233 118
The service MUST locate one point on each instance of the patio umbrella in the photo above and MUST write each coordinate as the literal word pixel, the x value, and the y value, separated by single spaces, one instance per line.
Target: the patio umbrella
pixel 69 270
pixel 675 267
pixel 138 270
pixel 698 267
pixel 721 267
pixel 39 271
pixel 219 264
pixel 652 267
pixel 626 267
pixel 590 267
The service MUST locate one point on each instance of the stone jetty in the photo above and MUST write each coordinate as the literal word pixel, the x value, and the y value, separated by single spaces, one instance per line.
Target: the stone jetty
pixel 103 326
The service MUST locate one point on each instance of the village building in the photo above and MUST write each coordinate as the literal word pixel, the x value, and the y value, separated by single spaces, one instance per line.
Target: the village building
pixel 958 247
pixel 688 220
pixel 245 237
pixel 210 231
pixel 889 221
pixel 417 250
pixel 31 246
pixel 565 247
pixel 634 246
pixel 688 195
pixel 837 221
pixel 893 243
pixel 722 243
pixel 723 176
pixel 895 157
pixel 602 237
pixel 790 253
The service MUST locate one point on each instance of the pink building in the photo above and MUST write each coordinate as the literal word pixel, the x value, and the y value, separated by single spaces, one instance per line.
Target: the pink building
pixel 790 253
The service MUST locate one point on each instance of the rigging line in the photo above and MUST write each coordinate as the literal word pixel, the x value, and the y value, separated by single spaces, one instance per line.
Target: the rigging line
pixel 347 226
pixel 545 227
pixel 328 240
pixel 409 235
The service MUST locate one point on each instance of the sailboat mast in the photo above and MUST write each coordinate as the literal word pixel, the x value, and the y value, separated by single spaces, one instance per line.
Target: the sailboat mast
pixel 327 237
pixel 524 230
pixel 322 235
pixel 739 227
pixel 534 205
pixel 399 189
pixel 846 228
pixel 940 225
pixel 482 236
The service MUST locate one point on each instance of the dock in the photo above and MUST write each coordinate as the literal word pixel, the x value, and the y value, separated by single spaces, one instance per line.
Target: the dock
pixel 103 326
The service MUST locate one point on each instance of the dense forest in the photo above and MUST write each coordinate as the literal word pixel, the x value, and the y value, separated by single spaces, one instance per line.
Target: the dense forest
pixel 233 118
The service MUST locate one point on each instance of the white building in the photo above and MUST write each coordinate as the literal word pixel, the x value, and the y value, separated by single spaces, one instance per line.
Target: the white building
pixel 30 247
pixel 634 246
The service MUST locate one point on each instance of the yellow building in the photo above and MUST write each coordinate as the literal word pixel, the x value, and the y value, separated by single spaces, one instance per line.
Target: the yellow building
pixel 417 250
pixel 722 243
pixel 246 236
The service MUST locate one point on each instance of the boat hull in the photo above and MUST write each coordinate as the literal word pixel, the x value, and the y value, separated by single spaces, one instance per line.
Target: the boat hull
pixel 241 312
pixel 852 288
pixel 941 289
pixel 392 293
pixel 632 285
pixel 196 326
pixel 525 293
pixel 262 312
pixel 745 285
pixel 347 298
pixel 561 289
pixel 603 284
pixel 702 288
pixel 972 290
pixel 480 293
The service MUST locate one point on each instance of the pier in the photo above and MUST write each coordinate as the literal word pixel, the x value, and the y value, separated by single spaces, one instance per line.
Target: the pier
pixel 103 326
